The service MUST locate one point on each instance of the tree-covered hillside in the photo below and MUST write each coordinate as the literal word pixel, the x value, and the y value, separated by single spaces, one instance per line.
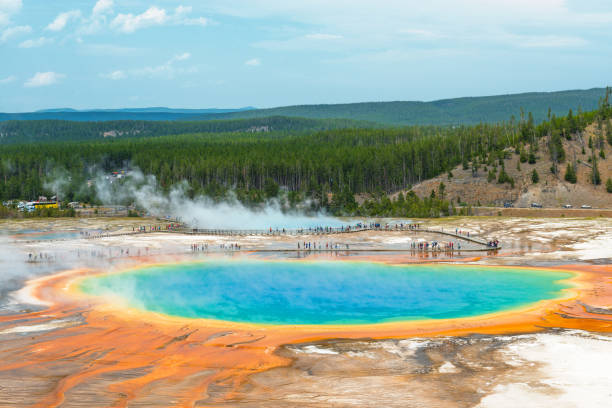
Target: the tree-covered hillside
pixel 466 111
pixel 458 111
pixel 34 131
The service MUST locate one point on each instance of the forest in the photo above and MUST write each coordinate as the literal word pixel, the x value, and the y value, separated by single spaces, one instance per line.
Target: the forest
pixel 324 167
pixel 35 131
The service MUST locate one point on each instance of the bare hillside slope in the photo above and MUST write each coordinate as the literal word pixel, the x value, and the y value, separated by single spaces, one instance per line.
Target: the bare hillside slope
pixel 551 191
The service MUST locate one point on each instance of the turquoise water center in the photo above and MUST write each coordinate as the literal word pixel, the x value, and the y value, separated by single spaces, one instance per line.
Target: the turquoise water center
pixel 331 292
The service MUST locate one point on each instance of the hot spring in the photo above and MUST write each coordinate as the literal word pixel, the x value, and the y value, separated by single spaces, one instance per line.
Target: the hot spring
pixel 340 292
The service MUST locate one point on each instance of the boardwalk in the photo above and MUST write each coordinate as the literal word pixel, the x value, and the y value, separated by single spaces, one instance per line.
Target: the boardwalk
pixel 320 232
pixel 332 231
pixel 481 244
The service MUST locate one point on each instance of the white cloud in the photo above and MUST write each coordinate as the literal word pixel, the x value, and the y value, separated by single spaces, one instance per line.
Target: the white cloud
pixel 111 50
pixel 180 17
pixel 322 37
pixel 201 21
pixel 549 41
pixel 388 24
pixel 155 16
pixel 420 34
pixel 182 10
pixel 128 23
pixel 7 9
pixel 254 62
pixel 366 13
pixel 167 70
pixel 102 10
pixel 115 75
pixel 8 80
pixel 180 57
pixel 43 79
pixel 62 20
pixel 103 7
pixel 315 41
pixel 394 55
pixel 14 31
pixel 38 42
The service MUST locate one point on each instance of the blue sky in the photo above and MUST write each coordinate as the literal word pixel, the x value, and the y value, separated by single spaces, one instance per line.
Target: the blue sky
pixel 233 53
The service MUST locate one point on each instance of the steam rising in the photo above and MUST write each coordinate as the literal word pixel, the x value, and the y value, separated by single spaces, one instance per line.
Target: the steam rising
pixel 20 263
pixel 14 269
pixel 203 212
pixel 58 182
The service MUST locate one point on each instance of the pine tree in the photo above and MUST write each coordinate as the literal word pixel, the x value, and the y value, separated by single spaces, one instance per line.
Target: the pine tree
pixel 609 185
pixel 535 178
pixel 532 157
pixel 504 177
pixel 523 156
pixel 571 121
pixel 475 167
pixel 554 169
pixel 441 190
pixel 527 128
pixel 491 176
pixel 595 176
pixel 570 174
pixel 400 199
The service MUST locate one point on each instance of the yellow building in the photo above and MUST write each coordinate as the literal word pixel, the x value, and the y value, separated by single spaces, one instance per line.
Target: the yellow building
pixel 45 204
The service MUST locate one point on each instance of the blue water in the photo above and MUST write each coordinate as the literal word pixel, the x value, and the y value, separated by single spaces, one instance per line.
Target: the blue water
pixel 46 235
pixel 290 292
pixel 53 235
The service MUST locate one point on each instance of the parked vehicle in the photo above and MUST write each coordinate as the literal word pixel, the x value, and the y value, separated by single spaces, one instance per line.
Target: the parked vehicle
pixel 567 206
pixel 536 205
pixel 585 206
pixel 508 204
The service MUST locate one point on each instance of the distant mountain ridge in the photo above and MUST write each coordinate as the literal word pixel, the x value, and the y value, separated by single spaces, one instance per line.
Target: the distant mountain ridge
pixel 456 111
pixel 155 109
pixel 105 115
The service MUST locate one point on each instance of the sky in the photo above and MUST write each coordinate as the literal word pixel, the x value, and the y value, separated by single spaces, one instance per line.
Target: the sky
pixel 88 54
